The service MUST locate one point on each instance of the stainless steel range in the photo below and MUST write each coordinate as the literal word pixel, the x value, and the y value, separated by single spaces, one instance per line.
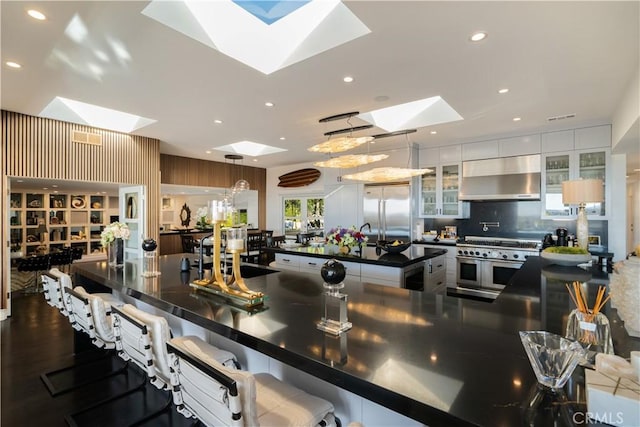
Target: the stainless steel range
pixel 485 265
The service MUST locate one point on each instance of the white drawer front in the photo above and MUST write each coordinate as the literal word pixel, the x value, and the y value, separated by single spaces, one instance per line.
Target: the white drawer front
pixel 378 272
pixel 438 264
pixel 291 262
pixel 311 263
pixel 353 268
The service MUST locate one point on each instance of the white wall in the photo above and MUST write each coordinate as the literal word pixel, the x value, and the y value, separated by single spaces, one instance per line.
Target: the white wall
pixel 618 215
pixel 633 215
pixel 276 194
pixel 628 111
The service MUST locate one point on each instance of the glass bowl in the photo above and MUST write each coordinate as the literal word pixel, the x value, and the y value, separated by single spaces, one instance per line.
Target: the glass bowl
pixel 552 357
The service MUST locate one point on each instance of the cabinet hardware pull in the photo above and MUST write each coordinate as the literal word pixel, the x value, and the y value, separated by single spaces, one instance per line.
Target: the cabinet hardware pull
pixel 286 260
pixel 312 263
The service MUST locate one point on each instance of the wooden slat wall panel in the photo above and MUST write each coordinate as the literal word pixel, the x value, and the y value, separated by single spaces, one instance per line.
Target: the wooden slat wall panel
pixel 33 147
pixel 4 230
pixel 187 171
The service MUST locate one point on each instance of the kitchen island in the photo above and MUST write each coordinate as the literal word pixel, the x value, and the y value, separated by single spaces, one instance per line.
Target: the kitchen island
pixel 363 264
pixel 437 359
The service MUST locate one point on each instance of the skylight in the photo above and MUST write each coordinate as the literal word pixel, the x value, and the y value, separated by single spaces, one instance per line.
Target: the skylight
pixel 267 36
pixel 249 148
pixel 416 114
pixel 72 111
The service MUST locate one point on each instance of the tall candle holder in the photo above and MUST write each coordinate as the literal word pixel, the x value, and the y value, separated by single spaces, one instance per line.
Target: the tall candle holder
pixel 234 288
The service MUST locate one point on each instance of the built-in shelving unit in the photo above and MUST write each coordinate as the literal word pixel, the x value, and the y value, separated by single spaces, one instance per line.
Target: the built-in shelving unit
pixel 46 221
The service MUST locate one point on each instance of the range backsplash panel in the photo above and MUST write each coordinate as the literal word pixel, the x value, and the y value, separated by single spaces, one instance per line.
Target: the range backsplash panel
pixel 518 219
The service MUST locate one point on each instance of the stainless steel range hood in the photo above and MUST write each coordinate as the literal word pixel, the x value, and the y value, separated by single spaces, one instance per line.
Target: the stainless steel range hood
pixel 505 178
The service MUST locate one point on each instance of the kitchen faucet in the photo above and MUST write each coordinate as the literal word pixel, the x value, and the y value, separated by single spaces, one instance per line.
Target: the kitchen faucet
pixel 366 224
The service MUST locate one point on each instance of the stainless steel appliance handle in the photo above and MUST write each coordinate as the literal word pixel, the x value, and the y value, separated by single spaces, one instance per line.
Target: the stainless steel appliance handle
pixel 379 219
pixel 384 220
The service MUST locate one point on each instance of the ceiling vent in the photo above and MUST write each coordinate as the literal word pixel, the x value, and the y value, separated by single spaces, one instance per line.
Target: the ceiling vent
pixel 556 118
pixel 86 138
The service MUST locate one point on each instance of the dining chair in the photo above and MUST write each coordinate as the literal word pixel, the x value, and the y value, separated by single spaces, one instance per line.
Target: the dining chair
pixel 189 243
pixel 253 248
pixel 205 389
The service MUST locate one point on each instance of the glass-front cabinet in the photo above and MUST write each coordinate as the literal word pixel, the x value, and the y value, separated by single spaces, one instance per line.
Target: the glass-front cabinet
pixel 439 193
pixel 559 167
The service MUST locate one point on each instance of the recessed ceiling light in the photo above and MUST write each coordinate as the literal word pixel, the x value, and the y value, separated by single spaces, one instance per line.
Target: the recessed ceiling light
pixel 217 121
pixel 208 151
pixel 255 160
pixel 433 132
pixel 504 90
pixel 476 37
pixel 45 188
pixel 36 14
pixel 348 79
pixel 103 192
pixel 635 170
pixel 517 119
pixel 13 64
pixel 54 186
pixel 19 180
pixel 282 138
pixel 269 104
pixel 55 191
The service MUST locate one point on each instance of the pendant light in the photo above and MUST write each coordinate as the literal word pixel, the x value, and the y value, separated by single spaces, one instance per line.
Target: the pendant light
pixel 241 184
pixel 343 143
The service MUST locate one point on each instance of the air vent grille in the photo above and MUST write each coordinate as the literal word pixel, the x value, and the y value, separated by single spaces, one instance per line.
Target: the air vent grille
pixel 86 137
pixel 556 118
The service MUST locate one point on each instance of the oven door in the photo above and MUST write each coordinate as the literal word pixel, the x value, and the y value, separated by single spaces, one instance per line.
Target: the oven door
pixel 499 273
pixel 469 272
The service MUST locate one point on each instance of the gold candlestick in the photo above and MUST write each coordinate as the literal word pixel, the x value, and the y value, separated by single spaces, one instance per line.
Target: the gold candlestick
pixel 217 285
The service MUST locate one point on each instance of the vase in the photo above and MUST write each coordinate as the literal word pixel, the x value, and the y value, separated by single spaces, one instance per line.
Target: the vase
pixel 344 250
pixel 592 331
pixel 116 253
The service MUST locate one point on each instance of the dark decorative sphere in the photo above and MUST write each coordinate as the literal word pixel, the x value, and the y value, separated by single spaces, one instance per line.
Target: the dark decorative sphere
pixel 149 245
pixel 333 272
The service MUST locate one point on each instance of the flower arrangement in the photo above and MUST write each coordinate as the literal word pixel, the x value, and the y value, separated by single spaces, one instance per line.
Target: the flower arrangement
pixel 349 237
pixel 113 231
pixel 203 221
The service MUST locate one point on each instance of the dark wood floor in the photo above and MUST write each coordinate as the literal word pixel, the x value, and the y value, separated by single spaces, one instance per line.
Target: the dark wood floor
pixel 38 339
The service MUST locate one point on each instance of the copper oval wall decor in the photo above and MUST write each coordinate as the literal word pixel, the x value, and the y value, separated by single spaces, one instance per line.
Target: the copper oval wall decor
pixel 299 178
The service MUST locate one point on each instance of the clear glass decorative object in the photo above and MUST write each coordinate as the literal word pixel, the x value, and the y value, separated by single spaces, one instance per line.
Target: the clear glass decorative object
pixel 149 258
pixel 236 238
pixel 218 210
pixel 334 317
pixel 552 357
pixel 592 331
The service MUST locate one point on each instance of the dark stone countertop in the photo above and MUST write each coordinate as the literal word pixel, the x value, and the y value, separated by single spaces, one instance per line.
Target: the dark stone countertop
pixel 411 255
pixel 437 243
pixel 438 359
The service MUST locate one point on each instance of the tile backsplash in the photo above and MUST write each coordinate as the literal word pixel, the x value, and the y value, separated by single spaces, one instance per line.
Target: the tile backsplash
pixel 518 219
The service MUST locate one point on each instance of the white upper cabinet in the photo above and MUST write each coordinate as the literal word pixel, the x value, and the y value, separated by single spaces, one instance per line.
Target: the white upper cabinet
pixel 563 166
pixel 593 137
pixel 480 150
pixel 438 189
pixel 557 141
pixel 519 145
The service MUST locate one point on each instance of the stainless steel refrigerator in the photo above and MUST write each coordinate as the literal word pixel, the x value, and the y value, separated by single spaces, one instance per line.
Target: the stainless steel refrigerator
pixel 387 208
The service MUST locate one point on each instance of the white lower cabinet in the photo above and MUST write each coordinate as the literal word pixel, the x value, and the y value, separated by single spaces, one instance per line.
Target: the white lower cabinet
pixel 382 275
pixel 287 262
pixel 450 262
pixel 370 273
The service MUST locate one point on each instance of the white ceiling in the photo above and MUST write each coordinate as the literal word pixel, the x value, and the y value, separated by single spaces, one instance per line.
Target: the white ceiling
pixel 556 58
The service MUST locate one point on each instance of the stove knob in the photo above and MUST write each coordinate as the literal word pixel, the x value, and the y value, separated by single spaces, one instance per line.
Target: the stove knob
pixel 466 252
pixel 516 256
pixel 484 255
pixel 459 251
pixel 504 256
pixel 477 253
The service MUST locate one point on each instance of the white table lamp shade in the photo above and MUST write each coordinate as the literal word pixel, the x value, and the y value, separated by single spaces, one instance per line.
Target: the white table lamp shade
pixel 582 191
pixel 579 192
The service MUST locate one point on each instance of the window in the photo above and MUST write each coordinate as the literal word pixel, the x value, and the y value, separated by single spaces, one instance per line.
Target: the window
pixel 303 215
